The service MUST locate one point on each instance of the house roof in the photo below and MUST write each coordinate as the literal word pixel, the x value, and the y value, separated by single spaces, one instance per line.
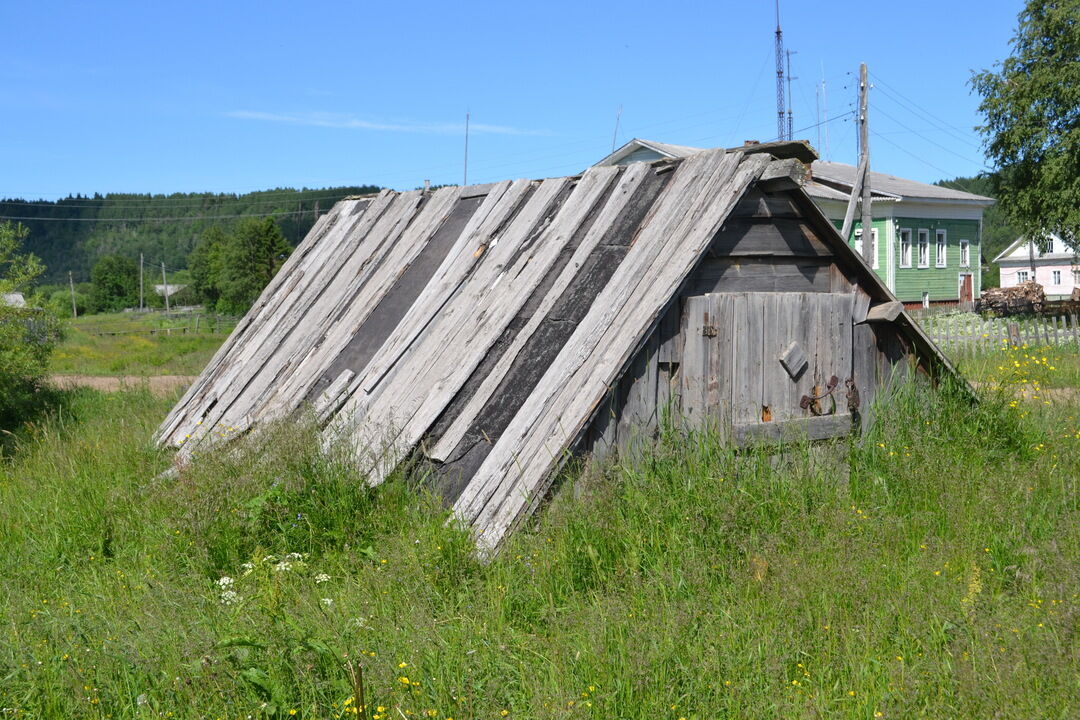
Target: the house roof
pixel 842 176
pixel 829 181
pixel 13 299
pixel 406 318
pixel 1019 251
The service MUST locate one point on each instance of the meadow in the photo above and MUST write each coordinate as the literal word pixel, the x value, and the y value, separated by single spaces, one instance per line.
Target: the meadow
pixel 929 569
pixel 139 344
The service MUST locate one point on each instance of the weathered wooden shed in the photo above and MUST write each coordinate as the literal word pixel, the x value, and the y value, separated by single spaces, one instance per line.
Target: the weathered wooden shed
pixel 497 329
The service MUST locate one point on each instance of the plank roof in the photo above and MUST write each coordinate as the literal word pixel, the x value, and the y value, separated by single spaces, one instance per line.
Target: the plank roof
pixel 402 315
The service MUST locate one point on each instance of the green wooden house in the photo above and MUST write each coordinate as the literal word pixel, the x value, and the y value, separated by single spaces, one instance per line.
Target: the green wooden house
pixel 928 238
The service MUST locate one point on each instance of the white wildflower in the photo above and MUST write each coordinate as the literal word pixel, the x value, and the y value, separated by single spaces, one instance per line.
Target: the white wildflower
pixel 142 700
pixel 225 582
pixel 321 578
pixel 327 601
pixel 269 559
pixel 230 597
pixel 293 557
pixel 283 566
pixel 247 568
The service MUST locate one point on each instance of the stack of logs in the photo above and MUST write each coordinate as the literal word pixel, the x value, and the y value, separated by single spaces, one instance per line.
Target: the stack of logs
pixel 1028 294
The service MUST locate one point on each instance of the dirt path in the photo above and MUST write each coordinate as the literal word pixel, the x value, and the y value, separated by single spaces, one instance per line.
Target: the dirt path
pixel 158 384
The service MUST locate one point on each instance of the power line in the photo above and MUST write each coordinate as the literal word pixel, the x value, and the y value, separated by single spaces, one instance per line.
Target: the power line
pixel 105 204
pixel 932 142
pixel 901 99
pixel 905 150
pixel 191 218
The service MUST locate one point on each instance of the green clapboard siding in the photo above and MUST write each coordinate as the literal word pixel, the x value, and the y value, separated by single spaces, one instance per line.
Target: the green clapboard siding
pixel 941 283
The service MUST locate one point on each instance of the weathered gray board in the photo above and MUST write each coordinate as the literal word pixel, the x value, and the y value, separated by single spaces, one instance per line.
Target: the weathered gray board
pixel 496 329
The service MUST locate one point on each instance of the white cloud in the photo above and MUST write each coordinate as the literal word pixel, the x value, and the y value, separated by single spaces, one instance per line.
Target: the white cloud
pixel 350 122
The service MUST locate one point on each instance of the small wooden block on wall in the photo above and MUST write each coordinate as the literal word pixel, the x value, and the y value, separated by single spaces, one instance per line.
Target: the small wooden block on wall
pixel 794 360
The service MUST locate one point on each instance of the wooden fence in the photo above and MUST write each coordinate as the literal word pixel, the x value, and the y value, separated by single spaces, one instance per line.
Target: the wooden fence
pixel 210 324
pixel 969 333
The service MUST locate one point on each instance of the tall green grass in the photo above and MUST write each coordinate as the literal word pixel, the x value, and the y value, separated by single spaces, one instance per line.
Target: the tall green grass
pixel 928 571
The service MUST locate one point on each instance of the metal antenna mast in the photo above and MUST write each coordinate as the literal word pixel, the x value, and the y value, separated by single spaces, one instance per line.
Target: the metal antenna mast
pixel 781 121
pixel 790 103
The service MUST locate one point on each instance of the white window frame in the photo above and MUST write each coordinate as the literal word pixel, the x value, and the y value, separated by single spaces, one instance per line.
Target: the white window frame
pixel 1021 276
pixel 905 247
pixel 924 248
pixel 1056 277
pixel 873 240
pixel 965 253
pixel 941 249
pixel 1076 277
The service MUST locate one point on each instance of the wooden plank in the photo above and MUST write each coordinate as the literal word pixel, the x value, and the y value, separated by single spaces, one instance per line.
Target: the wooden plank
pixel 637 419
pixel 370 289
pixel 609 213
pixel 520 465
pixel 884 311
pixel 794 430
pixel 670 338
pixel 188 406
pixel 280 318
pixel 773 237
pixel 307 321
pixel 787 174
pixel 720 362
pixel 725 275
pixel 694 364
pixel 444 358
pixel 864 371
pixel 747 348
pixel 861 308
pixel 757 204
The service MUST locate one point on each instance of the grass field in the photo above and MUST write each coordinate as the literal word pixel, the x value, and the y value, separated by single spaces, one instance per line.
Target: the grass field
pixel 930 571
pixel 134 350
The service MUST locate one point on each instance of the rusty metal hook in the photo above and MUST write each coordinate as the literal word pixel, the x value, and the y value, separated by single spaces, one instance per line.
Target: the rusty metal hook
pixel 813 402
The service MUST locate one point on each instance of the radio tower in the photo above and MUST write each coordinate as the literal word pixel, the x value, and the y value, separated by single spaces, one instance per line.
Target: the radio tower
pixel 781 121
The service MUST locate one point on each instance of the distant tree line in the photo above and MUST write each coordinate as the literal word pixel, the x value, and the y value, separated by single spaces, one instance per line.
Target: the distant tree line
pixel 73 233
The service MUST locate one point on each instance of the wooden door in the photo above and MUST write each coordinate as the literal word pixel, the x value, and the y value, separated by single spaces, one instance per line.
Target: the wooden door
pixel 966 290
pixel 749 359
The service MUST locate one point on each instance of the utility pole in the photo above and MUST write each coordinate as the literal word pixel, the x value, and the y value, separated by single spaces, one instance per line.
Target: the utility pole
pixel 141 305
pixel 615 135
pixel 166 281
pixel 71 284
pixel 864 157
pixel 860 189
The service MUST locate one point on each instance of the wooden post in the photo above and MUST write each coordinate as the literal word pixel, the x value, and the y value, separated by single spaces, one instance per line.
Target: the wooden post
pixel 864 160
pixel 165 280
pixel 1014 334
pixel 197 318
pixel 71 284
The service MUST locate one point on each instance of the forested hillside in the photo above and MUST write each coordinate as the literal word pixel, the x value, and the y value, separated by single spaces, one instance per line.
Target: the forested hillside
pixel 72 233
pixel 997 232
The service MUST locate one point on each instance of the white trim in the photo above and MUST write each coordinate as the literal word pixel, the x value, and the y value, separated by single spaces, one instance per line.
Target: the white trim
pixel 964 247
pixel 923 233
pixel 941 248
pixel 873 241
pixel 905 263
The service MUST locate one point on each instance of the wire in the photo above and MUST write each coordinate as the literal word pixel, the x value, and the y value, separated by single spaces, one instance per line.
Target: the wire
pixel 156 219
pixel 900 99
pixel 932 142
pixel 105 204
pixel 903 149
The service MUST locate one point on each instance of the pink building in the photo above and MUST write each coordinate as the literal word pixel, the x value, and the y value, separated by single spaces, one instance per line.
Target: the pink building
pixel 1057 269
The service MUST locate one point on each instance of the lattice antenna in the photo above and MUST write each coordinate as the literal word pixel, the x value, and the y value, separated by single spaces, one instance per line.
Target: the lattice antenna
pixel 781 121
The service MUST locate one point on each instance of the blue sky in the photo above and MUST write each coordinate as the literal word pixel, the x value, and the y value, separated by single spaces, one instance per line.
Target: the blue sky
pixel 238 96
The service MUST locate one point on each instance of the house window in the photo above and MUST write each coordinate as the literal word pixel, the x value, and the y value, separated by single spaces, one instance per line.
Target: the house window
pixel 905 247
pixel 924 248
pixel 1057 277
pixel 873 250
pixel 1076 277
pixel 941 248
pixel 1021 276
pixel 965 253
